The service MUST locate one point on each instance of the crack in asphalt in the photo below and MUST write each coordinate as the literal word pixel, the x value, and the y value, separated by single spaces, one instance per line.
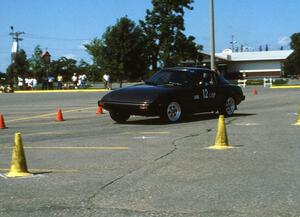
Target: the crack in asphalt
pixel 175 146
pixel 230 121
pixel 89 199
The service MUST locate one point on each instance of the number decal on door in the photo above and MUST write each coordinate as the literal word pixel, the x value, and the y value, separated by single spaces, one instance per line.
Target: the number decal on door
pixel 205 93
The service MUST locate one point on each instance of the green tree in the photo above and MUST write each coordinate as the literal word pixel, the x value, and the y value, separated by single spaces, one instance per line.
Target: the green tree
pixel 36 64
pixel 187 49
pixel 121 51
pixel 91 70
pixel 95 50
pixel 163 27
pixel 19 67
pixel 292 65
pixel 64 66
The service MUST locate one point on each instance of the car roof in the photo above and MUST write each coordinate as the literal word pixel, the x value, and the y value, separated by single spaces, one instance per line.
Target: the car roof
pixel 189 69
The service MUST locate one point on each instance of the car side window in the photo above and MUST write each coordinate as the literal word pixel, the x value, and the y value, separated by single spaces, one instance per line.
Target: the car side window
pixel 214 79
pixel 208 79
pixel 198 79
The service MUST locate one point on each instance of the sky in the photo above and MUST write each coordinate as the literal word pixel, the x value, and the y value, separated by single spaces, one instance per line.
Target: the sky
pixel 63 26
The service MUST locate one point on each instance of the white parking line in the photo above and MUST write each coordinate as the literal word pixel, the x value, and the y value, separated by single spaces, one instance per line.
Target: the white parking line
pixel 247 124
pixel 293 114
pixel 145 137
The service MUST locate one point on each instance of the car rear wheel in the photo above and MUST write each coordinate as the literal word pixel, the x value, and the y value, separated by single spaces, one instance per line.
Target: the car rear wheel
pixel 172 112
pixel 119 117
pixel 228 107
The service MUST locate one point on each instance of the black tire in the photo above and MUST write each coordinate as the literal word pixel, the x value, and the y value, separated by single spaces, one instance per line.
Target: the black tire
pixel 119 117
pixel 228 107
pixel 172 112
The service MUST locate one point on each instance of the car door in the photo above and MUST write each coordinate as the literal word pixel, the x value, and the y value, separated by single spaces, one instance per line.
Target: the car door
pixel 207 91
pixel 185 93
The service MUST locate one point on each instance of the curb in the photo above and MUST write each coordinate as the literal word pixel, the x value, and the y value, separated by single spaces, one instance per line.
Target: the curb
pixel 286 87
pixel 61 91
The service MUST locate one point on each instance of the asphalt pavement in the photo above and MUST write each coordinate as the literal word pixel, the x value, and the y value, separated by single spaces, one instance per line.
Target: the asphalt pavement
pixel 88 165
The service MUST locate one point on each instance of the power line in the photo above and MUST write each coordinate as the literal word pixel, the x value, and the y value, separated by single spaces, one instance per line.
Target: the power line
pixel 58 49
pixel 41 37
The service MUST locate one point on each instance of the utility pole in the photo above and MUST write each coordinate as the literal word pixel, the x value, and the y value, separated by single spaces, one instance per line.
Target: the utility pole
pixel 16 39
pixel 212 36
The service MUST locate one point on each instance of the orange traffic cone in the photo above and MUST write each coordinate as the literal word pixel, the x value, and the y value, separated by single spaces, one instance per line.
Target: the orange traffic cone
pixel 254 91
pixel 99 110
pixel 2 123
pixel 59 116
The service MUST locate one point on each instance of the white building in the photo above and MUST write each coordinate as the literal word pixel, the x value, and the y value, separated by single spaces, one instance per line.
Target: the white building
pixel 253 64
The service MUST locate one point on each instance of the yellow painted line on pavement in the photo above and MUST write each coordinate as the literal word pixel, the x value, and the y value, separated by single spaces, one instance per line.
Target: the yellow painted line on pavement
pixel 35 123
pixel 46 170
pixel 285 87
pixel 76 148
pixel 43 133
pixel 36 134
pixel 61 91
pixel 48 115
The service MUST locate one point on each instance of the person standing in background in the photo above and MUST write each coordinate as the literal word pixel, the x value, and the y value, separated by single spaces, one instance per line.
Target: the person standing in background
pixel 59 81
pixel 106 81
pixel 34 83
pixel 20 83
pixel 84 80
pixel 44 83
pixel 50 82
pixel 74 80
pixel 79 83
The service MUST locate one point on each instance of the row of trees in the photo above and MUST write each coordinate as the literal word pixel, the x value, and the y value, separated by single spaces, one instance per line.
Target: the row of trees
pixel 292 65
pixel 130 51
pixel 127 51
pixel 38 68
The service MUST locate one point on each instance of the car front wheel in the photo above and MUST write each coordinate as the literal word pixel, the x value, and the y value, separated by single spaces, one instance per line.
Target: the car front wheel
pixel 119 117
pixel 228 107
pixel 172 112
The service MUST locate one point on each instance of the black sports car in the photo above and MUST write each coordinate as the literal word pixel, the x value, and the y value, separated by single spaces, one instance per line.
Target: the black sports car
pixel 172 92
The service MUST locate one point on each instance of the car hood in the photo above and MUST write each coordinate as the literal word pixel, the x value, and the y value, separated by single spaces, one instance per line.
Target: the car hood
pixel 137 94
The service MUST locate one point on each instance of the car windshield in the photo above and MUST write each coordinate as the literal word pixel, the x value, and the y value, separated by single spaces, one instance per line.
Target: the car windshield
pixel 171 77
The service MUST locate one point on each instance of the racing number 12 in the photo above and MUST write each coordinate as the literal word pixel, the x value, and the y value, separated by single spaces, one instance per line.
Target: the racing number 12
pixel 205 93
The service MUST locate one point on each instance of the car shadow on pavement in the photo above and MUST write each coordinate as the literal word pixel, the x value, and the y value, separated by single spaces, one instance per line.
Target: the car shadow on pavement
pixel 185 119
pixel 41 173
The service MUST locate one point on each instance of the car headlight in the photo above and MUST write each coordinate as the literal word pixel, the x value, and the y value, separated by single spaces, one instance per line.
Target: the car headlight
pixel 144 106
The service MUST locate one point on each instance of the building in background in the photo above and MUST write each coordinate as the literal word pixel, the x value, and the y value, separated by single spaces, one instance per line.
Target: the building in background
pixel 254 64
pixel 260 64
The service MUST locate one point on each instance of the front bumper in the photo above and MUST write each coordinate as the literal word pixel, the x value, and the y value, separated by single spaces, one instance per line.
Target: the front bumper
pixel 144 109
